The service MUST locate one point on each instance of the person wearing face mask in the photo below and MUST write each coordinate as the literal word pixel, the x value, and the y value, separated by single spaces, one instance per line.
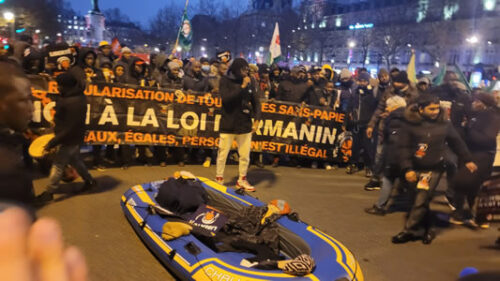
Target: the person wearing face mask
pixel 205 67
pixel 423 85
pixel 363 105
pixel 422 144
pixel 384 81
pixel 239 105
pixel 481 131
pixel 345 91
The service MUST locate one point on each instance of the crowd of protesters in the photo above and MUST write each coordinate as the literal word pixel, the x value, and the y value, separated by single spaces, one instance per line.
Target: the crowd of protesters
pixel 405 135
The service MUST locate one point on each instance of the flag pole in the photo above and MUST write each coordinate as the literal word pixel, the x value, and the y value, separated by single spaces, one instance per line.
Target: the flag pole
pixel 180 28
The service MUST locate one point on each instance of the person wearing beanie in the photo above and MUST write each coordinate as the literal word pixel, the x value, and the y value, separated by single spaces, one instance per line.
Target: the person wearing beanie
pixel 391 171
pixel 293 88
pixel 105 53
pixel 69 130
pixel 345 91
pixel 362 106
pixel 422 144
pixel 239 105
pixel 481 132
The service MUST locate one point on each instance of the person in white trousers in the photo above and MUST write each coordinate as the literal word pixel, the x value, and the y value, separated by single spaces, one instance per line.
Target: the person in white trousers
pixel 240 104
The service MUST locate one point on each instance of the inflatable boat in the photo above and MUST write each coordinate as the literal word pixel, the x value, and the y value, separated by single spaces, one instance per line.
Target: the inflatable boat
pixel 190 259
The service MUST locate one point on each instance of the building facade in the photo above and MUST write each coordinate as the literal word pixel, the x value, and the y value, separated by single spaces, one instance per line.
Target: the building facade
pixel 376 33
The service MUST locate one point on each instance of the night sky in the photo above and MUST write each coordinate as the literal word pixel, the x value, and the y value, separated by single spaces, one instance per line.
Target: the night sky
pixel 147 8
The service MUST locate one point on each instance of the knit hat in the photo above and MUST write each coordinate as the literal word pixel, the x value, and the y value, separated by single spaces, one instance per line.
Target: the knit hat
pixel 486 98
pixel 424 80
pixel 382 72
pixel 345 73
pixel 172 64
pixel 401 77
pixel 126 50
pixel 395 102
pixel 364 76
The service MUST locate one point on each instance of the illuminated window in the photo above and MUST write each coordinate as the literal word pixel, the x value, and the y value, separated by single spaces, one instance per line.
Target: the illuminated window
pixel 312 25
pixel 423 6
pixel 450 10
pixel 338 22
pixel 489 5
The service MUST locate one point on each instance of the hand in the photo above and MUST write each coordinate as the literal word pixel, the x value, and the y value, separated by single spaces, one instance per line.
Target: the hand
pixel 36 252
pixel 471 166
pixel 322 101
pixel 384 114
pixel 255 126
pixel 310 83
pixel 246 81
pixel 369 132
pixel 411 176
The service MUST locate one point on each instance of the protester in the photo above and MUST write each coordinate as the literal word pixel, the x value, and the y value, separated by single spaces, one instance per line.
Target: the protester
pixel 423 85
pixel 105 53
pixel 481 132
pixel 294 89
pixel 239 105
pixel 194 79
pixel 16 110
pixel 69 132
pixel 345 91
pixel 422 144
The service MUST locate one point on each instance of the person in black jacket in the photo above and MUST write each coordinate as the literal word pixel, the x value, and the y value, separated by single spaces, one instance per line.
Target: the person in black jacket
pixel 194 79
pixel 69 132
pixel 481 133
pixel 422 144
pixel 16 110
pixel 391 168
pixel 240 104
pixel 293 89
pixel 361 107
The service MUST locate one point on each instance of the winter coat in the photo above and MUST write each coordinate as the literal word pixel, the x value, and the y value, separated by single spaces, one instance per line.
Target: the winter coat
pixel 71 110
pixel 393 125
pixel 168 81
pixel 482 130
pixel 345 96
pixel 238 106
pixel 410 95
pixel 195 83
pixel 423 142
pixel 315 93
pixel 101 58
pixel 363 105
pixel 292 90
pixel 78 71
pixel 460 103
pixel 16 179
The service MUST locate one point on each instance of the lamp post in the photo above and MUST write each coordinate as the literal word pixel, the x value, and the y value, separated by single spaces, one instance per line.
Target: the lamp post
pixel 11 18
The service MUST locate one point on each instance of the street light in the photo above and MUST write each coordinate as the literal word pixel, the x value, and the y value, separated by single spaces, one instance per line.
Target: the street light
pixel 179 48
pixel 37 31
pixel 202 48
pixel 351 44
pixel 8 16
pixel 473 39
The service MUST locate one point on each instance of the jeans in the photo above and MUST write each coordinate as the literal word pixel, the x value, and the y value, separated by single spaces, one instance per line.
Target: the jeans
pixel 385 191
pixel 419 220
pixel 67 154
pixel 244 142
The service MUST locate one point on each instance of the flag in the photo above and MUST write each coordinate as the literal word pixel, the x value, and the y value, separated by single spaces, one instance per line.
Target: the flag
pixel 438 80
pixel 412 72
pixel 116 47
pixel 461 77
pixel 186 33
pixel 275 47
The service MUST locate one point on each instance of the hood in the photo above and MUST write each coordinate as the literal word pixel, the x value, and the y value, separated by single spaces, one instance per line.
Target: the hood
pixel 412 115
pixel 82 54
pixel 134 73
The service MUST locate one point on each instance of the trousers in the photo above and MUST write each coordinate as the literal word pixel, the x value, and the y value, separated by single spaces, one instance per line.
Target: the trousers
pixel 244 142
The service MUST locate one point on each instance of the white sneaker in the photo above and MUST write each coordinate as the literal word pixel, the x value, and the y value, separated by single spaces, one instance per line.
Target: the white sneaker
pixel 243 183
pixel 328 167
pixel 207 162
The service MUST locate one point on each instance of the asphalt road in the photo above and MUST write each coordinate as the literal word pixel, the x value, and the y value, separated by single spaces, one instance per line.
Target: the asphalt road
pixel 329 200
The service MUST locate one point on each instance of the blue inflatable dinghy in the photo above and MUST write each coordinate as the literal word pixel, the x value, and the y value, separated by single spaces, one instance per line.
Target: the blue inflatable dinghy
pixel 190 259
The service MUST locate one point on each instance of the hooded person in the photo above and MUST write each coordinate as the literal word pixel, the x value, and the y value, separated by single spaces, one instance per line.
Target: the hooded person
pixel 316 94
pixel 345 91
pixel 105 53
pixel 194 79
pixel 240 104
pixel 481 131
pixel 120 76
pixel 293 89
pixel 137 75
pixel 85 69
pixel 69 130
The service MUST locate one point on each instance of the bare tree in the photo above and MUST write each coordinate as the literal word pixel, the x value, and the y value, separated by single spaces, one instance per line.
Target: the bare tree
pixel 164 26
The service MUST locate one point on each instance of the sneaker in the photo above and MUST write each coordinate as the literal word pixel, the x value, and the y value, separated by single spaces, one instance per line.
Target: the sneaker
pixel 89 185
pixel 375 210
pixel 351 169
pixel 163 164
pixel 449 203
pixel 368 173
pixel 455 221
pixel 259 164
pixel 207 163
pixel 372 185
pixel 314 165
pixel 243 183
pixel 328 167
pixel 219 180
pixel 44 197
pixel 100 168
pixel 276 162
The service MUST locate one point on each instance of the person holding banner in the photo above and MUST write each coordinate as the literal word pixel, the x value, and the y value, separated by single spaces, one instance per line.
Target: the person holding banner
pixel 240 104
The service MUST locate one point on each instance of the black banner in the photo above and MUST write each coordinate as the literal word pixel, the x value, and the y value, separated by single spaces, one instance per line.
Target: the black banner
pixel 127 114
